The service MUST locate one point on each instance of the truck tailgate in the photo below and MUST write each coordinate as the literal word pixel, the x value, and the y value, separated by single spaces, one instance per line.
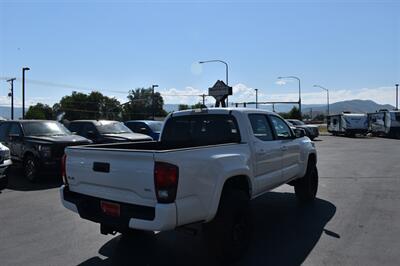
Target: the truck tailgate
pixel 124 176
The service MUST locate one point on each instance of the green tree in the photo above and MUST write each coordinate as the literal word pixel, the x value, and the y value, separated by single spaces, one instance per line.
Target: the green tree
pixel 88 106
pixel 294 113
pixel 194 106
pixel 141 105
pixel 39 111
pixel 183 107
pixel 320 117
pixel 198 106
pixel 284 115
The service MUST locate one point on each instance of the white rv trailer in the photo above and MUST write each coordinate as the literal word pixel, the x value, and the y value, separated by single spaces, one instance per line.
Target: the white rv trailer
pixel 348 124
pixel 384 123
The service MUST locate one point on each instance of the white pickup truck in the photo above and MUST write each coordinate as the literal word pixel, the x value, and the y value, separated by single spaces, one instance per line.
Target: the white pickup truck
pixel 206 167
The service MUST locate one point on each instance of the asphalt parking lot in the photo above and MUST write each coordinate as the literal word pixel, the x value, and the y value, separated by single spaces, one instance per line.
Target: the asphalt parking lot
pixel 355 221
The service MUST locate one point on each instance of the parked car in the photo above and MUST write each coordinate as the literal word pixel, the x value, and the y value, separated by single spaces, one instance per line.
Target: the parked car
pixel 37 144
pixel 147 127
pixel 206 167
pixel 311 130
pixel 348 124
pixel 105 131
pixel 5 162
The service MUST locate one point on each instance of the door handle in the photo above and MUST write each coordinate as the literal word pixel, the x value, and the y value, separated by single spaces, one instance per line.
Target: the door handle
pixel 284 148
pixel 260 152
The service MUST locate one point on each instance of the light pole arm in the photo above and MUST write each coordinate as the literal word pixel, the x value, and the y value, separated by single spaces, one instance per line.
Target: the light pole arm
pixel 327 95
pixel 298 79
pixel 219 61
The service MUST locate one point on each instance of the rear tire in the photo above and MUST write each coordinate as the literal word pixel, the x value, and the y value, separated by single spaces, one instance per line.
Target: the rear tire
pixel 3 182
pixel 306 188
pixel 31 168
pixel 228 234
pixel 132 233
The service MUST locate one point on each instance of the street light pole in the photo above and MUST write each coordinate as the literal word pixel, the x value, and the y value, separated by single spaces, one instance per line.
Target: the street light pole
pixel 256 98
pixel 298 79
pixel 12 96
pixel 327 95
pixel 397 96
pixel 152 99
pixel 226 71
pixel 23 91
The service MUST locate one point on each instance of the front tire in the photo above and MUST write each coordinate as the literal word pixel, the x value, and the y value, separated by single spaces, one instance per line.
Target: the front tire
pixel 228 234
pixel 31 168
pixel 306 188
pixel 3 182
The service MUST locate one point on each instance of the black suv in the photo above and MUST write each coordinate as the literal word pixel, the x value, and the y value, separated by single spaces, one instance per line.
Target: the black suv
pixel 105 131
pixel 37 144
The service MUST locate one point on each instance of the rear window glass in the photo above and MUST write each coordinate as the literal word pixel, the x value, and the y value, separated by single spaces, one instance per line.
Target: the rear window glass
pixel 395 116
pixel 198 130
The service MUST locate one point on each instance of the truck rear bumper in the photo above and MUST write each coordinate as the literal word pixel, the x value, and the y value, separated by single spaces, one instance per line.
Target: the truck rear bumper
pixel 162 217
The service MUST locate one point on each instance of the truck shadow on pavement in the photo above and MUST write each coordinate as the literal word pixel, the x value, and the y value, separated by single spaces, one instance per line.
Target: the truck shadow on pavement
pixel 284 234
pixel 17 181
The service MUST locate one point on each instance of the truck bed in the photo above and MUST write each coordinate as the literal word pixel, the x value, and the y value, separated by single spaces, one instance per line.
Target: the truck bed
pixel 151 146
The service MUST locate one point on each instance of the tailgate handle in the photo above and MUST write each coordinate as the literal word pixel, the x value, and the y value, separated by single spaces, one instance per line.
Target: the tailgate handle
pixel 101 167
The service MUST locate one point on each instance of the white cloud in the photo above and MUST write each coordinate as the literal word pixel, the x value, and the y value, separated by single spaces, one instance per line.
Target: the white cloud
pixel 187 95
pixel 243 93
pixel 280 82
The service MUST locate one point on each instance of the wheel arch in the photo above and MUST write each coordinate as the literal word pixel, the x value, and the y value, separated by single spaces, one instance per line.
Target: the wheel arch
pixel 240 182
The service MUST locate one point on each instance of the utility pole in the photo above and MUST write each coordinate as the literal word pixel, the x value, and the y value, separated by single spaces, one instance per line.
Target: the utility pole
pixel 204 99
pixel 11 94
pixel 152 100
pixel 23 91
pixel 397 96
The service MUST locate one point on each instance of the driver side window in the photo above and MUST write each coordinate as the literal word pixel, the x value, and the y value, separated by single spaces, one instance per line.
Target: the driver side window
pixel 282 130
pixel 15 130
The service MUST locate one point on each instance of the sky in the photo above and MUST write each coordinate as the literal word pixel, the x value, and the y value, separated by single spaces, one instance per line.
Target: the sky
pixel 350 47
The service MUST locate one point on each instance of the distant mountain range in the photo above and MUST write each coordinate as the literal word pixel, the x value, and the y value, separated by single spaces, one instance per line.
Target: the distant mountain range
pixel 5 112
pixel 354 106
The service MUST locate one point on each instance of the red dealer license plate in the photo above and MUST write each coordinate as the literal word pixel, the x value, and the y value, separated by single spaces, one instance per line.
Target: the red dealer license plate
pixel 110 208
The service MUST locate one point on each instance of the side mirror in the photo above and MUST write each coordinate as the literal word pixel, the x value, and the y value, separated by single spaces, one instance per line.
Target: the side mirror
pixel 74 133
pixel 143 130
pixel 14 137
pixel 299 133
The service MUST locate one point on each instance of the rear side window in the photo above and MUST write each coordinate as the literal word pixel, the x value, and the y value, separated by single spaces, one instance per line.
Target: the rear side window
pixel 4 131
pixel 199 130
pixel 395 116
pixel 75 127
pixel 282 130
pixel 15 129
pixel 261 127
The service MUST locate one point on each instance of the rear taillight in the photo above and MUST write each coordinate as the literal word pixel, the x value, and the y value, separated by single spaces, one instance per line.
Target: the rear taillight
pixel 63 169
pixel 166 181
